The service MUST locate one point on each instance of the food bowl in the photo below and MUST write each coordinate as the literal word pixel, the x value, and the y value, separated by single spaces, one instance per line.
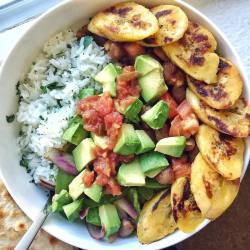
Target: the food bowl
pixel 31 198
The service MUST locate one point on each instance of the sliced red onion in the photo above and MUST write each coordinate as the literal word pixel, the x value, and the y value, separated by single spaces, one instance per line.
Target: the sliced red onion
pixel 46 184
pixel 112 238
pixel 96 232
pixel 62 160
pixel 122 214
pixel 125 206
pixel 126 228
pixel 84 213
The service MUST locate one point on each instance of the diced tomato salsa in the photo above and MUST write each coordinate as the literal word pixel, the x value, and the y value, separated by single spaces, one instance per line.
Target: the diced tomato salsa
pixel 171 104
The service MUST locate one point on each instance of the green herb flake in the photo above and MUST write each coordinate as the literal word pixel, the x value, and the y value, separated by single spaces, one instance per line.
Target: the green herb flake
pixel 10 118
pixel 87 41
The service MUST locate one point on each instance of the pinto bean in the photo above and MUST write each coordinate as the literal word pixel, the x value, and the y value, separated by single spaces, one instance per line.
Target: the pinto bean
pixel 166 176
pixel 173 75
pixel 192 154
pixel 114 50
pixel 162 133
pixel 133 49
pixel 179 93
pixel 190 144
pixel 160 54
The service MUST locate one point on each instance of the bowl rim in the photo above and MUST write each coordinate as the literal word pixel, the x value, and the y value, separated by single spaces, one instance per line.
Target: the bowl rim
pixel 159 244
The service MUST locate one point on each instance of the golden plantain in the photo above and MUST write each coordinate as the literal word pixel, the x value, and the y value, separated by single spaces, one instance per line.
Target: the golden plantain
pixel 156 219
pixel 225 92
pixel 194 53
pixel 212 193
pixel 173 23
pixel 225 121
pixel 124 22
pixel 223 153
pixel 186 213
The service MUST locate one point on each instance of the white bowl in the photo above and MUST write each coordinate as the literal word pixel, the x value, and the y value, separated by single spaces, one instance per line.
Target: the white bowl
pixel 30 198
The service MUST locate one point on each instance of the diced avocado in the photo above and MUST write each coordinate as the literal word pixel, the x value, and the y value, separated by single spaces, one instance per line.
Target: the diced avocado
pixel 153 184
pixel 172 146
pixel 107 77
pixel 59 200
pixel 109 219
pixel 100 141
pixel 84 153
pixel 134 198
pixel 132 111
pixel 72 210
pixel 145 193
pixel 63 180
pixel 85 92
pixel 77 188
pixel 93 216
pixel 152 85
pixel 128 141
pixel 157 115
pixel 94 192
pixel 131 174
pixel 145 64
pixel 152 163
pixel 75 132
pixel 146 143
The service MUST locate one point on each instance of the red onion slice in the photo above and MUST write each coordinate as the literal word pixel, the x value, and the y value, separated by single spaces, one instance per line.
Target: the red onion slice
pixel 126 228
pixel 46 184
pixel 125 206
pixel 62 160
pixel 96 232
pixel 84 213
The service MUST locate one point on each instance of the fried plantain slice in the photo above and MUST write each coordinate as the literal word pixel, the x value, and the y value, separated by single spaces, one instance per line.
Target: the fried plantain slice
pixel 212 193
pixel 225 92
pixel 186 213
pixel 124 22
pixel 225 121
pixel 193 53
pixel 223 153
pixel 156 219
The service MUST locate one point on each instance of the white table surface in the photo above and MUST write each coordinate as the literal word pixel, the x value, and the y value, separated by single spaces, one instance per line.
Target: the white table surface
pixel 232 16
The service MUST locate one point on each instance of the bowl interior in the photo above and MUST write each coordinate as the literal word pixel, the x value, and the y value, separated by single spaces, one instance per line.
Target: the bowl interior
pixel 31 198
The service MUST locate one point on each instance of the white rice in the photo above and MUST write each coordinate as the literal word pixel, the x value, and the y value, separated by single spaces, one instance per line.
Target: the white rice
pixel 44 116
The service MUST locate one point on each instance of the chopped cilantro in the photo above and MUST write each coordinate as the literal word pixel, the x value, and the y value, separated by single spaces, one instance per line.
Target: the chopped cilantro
pixel 10 118
pixel 87 41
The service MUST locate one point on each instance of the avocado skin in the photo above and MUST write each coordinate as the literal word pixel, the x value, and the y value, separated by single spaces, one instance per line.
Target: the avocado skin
pixel 157 115
pixel 109 219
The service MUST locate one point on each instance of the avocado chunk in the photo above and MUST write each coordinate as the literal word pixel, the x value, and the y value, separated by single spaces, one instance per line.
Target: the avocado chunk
pixel 152 163
pixel 93 216
pixel 128 141
pixel 75 132
pixel 145 64
pixel 131 174
pixel 146 143
pixel 84 153
pixel 85 92
pixel 132 111
pixel 153 184
pixel 172 146
pixel 109 219
pixel 77 188
pixel 134 198
pixel 60 200
pixel 152 85
pixel 63 180
pixel 107 77
pixel 100 141
pixel 72 210
pixel 157 115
